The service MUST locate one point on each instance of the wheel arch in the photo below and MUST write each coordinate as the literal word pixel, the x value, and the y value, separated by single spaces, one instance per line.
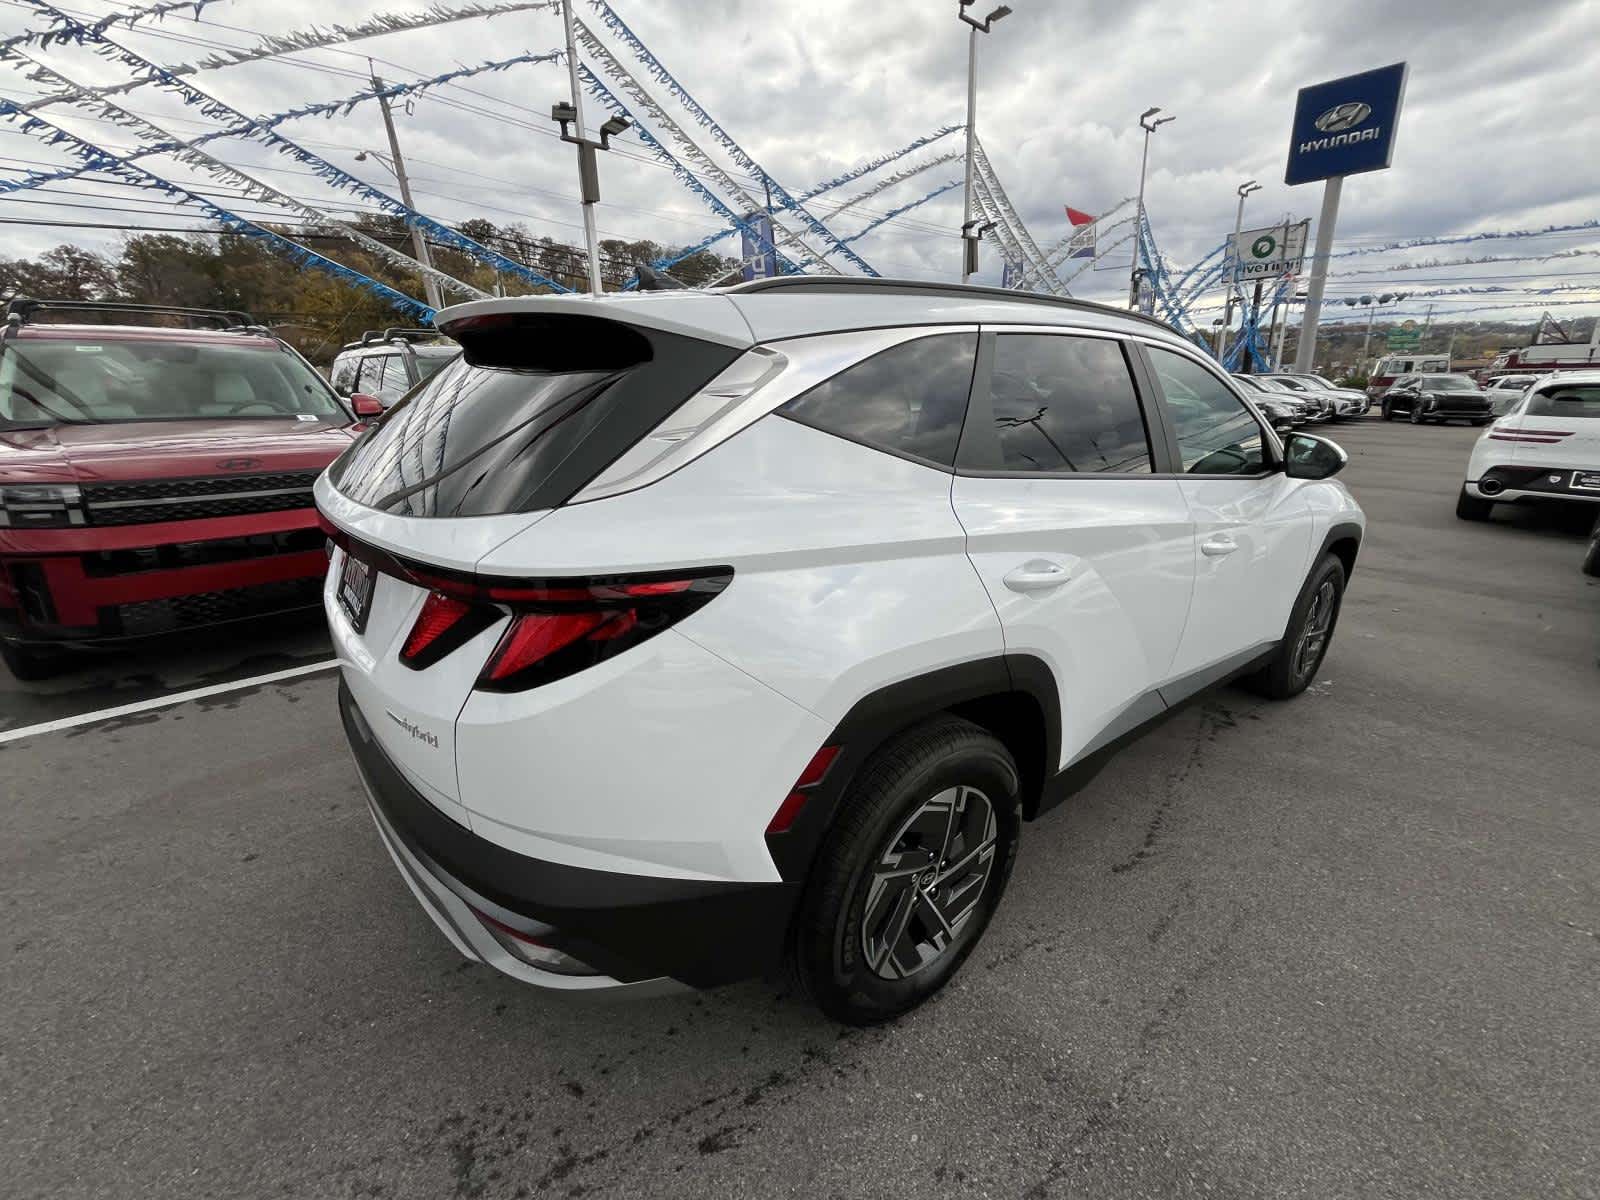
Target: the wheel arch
pixel 1343 541
pixel 1012 696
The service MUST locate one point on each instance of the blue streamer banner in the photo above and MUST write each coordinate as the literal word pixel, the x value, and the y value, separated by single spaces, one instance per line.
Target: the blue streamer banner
pixel 328 109
pixel 904 208
pixel 657 71
pixel 209 106
pixel 102 160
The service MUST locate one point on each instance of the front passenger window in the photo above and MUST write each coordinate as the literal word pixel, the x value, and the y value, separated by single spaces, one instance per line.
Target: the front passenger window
pixel 1217 435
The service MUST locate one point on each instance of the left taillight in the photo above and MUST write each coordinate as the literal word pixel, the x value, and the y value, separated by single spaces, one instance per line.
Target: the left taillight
pixel 557 627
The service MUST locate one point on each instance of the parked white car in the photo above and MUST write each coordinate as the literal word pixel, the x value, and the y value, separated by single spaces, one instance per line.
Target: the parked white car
pixel 1505 390
pixel 682 632
pixel 1546 448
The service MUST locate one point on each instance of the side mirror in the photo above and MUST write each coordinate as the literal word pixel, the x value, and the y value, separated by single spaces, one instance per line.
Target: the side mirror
pixel 365 405
pixel 1307 456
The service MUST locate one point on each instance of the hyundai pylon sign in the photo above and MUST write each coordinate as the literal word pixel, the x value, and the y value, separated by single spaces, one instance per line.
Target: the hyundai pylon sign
pixel 1346 126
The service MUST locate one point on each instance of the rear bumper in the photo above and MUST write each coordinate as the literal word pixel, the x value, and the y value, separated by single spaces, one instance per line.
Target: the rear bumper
pixel 1531 483
pixel 94 585
pixel 634 929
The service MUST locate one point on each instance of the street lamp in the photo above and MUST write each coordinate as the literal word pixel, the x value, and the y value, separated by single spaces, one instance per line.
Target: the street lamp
pixel 969 248
pixel 570 112
pixel 1149 127
pixel 1244 189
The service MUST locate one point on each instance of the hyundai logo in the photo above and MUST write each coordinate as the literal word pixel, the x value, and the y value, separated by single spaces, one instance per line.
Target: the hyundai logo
pixel 238 464
pixel 1343 116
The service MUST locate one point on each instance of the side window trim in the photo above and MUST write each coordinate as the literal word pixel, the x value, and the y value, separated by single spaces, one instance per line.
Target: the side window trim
pixel 978 442
pixel 1272 448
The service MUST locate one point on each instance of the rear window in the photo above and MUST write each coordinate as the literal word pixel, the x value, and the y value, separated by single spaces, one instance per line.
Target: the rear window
pixel 49 382
pixel 534 408
pixel 1574 401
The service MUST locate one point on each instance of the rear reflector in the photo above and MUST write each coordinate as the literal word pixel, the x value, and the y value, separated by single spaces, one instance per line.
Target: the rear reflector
pixel 796 799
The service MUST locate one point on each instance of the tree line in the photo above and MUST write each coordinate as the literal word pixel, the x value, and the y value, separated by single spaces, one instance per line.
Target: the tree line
pixel 313 311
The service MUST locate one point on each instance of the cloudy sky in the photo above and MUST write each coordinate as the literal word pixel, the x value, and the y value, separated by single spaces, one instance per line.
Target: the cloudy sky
pixel 1498 130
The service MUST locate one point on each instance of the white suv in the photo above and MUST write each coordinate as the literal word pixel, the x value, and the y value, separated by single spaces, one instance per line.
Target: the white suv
pixel 1546 448
pixel 684 633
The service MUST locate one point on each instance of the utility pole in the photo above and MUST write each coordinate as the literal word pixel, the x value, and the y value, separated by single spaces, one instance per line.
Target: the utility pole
pixel 1427 324
pixel 577 122
pixel 970 233
pixel 1372 312
pixel 419 240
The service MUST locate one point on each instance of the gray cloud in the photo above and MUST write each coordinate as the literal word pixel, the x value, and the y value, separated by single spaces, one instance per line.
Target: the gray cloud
pixel 1499 114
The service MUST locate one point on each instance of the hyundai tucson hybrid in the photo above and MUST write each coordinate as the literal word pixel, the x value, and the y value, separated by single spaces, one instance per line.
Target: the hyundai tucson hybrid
pixel 153 480
pixel 685 633
pixel 1547 448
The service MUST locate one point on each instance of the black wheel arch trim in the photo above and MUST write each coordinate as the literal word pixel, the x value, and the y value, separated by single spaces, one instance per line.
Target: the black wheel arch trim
pixel 1342 531
pixel 898 706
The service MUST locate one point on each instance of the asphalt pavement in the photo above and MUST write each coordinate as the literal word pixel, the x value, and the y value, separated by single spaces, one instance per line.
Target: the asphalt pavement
pixel 1347 946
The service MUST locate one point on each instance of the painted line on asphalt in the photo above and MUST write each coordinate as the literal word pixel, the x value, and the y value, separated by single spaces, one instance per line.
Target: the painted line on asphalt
pixel 125 710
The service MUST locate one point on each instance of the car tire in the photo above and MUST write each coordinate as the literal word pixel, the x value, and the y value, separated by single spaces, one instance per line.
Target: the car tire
pixel 1388 411
pixel 1309 633
pixel 1591 558
pixel 28 663
pixel 1482 420
pixel 1473 508
pixel 1416 414
pixel 865 881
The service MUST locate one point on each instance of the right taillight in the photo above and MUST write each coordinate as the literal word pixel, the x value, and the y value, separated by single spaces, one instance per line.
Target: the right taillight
pixel 558 627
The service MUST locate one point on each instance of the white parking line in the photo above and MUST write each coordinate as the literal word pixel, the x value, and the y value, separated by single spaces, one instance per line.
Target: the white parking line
pixel 124 710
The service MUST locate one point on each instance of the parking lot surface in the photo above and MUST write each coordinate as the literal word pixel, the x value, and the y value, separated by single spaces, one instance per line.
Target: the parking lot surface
pixel 1344 946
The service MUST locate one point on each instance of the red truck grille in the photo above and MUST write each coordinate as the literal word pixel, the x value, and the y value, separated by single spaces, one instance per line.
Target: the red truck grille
pixel 187 499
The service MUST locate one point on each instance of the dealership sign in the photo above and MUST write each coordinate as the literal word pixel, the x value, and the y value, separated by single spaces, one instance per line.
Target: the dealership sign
pixel 1345 126
pixel 1270 253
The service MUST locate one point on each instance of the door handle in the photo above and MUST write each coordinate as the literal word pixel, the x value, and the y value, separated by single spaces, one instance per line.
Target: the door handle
pixel 1037 575
pixel 1218 544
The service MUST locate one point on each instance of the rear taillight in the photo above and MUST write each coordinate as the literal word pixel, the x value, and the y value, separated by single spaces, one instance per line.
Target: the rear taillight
pixel 557 627
pixel 445 623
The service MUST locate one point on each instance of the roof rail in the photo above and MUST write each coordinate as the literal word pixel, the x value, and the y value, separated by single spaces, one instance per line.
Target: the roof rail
pixel 394 333
pixel 918 287
pixel 24 308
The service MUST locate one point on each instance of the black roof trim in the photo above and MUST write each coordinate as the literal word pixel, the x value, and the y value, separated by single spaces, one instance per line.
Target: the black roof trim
pixel 919 287
pixel 23 309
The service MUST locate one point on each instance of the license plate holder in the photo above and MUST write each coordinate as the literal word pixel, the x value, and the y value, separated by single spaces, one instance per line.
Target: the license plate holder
pixel 1587 481
pixel 356 580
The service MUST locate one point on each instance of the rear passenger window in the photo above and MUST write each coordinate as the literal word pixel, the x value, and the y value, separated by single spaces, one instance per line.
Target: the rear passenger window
pixel 1216 433
pixel 1064 403
pixel 909 400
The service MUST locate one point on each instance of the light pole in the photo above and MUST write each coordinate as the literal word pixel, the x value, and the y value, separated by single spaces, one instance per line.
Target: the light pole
pixel 1232 276
pixel 571 113
pixel 970 233
pixel 419 241
pixel 1149 127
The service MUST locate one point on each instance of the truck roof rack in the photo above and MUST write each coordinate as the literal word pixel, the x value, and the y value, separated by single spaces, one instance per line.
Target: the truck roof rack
pixel 917 287
pixel 24 308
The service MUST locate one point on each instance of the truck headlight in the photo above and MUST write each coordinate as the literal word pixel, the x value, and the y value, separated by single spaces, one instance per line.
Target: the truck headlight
pixel 40 505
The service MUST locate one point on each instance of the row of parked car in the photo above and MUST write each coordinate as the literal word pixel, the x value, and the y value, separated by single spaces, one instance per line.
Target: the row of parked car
pixel 1289 399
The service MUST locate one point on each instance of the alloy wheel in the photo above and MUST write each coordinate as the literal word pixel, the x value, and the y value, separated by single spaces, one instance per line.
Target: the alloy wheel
pixel 1314 633
pixel 928 882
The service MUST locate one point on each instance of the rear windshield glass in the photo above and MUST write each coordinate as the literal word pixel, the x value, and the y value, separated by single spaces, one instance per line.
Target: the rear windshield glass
pixel 49 382
pixel 529 414
pixel 1580 402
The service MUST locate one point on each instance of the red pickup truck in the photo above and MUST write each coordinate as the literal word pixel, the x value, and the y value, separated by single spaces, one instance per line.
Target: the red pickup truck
pixel 155 480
